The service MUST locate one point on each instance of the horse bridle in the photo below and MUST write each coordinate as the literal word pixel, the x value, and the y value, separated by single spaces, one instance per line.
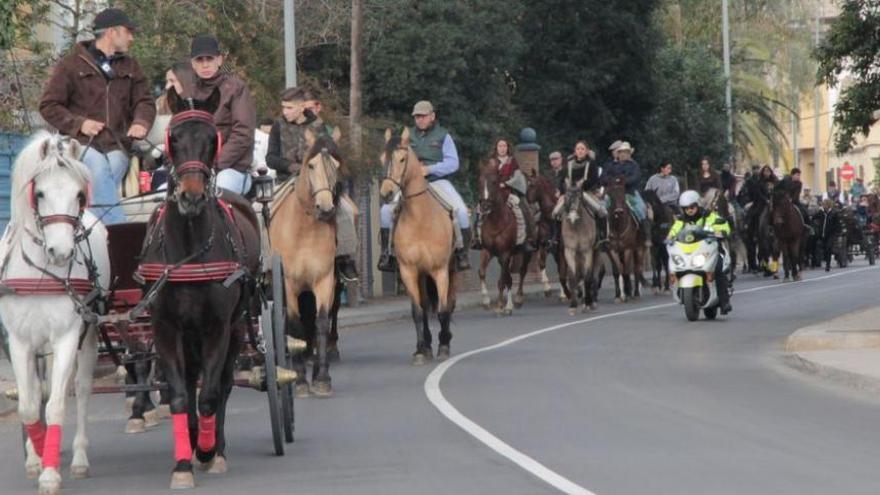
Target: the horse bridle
pixel 42 221
pixel 389 162
pixel 329 172
pixel 191 166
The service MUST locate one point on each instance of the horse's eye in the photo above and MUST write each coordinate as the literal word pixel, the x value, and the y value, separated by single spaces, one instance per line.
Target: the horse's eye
pixel 311 167
pixel 81 197
pixel 40 195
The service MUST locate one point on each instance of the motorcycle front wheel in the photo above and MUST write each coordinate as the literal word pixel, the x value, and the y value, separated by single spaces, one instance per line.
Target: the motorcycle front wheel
pixel 691 303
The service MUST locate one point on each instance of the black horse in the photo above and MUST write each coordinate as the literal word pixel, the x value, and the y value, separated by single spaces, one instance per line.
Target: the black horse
pixel 199 260
pixel 664 217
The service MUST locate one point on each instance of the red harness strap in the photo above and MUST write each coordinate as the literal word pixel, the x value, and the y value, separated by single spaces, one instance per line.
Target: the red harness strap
pixel 46 286
pixel 190 272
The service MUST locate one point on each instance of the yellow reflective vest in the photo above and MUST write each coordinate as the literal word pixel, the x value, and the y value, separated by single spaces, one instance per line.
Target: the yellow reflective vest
pixel 706 222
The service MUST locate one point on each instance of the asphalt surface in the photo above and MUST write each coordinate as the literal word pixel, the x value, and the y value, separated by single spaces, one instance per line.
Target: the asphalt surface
pixel 634 403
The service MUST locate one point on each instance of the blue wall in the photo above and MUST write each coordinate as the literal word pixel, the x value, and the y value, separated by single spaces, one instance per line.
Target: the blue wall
pixel 10 145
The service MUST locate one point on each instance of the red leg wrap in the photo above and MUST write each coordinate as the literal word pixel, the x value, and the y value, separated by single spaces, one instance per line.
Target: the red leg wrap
pixel 182 447
pixel 207 433
pixel 37 433
pixel 52 448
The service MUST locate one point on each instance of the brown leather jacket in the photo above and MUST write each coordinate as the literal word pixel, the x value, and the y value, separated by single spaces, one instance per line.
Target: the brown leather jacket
pixel 235 118
pixel 78 91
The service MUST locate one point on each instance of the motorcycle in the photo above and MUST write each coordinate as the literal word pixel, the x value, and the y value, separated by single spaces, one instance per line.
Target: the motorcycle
pixel 693 257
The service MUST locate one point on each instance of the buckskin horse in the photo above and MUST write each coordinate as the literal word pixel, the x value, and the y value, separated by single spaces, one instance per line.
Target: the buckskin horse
pixel 542 192
pixel 664 217
pixel 199 260
pixel 303 232
pixel 579 246
pixel 54 262
pixel 498 238
pixel 423 244
pixel 625 244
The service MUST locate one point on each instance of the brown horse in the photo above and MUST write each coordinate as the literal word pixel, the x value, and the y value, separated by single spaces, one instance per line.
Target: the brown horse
pixel 423 244
pixel 543 193
pixel 303 233
pixel 498 238
pixel 788 230
pixel 625 244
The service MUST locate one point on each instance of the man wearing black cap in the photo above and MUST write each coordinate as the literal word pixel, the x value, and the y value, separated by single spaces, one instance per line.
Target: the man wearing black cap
pixel 235 117
pixel 99 95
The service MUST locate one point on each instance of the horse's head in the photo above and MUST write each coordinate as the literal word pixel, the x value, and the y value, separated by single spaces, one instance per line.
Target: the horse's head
pixel 321 169
pixel 616 190
pixel 51 189
pixel 710 199
pixel 489 184
pixel 193 145
pixel 400 164
pixel 541 191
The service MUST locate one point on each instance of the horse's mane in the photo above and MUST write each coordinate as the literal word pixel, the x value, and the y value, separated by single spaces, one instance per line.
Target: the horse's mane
pixel 28 165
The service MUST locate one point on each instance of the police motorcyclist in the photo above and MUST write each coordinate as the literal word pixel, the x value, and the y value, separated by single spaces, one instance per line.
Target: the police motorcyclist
pixel 693 216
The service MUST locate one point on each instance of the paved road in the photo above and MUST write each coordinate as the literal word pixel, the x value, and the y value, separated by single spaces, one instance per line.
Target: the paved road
pixel 640 402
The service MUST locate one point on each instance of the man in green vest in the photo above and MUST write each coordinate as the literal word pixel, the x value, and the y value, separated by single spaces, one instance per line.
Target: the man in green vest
pixel 287 143
pixel 436 150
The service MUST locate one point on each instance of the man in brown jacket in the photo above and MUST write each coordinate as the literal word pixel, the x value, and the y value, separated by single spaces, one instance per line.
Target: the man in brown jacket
pixel 98 95
pixel 235 118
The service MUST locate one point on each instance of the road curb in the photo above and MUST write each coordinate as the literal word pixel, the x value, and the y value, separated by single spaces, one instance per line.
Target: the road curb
pixel 833 374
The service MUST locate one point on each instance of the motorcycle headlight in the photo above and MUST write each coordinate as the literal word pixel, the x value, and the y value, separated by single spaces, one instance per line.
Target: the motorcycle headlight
pixel 698 261
pixel 678 261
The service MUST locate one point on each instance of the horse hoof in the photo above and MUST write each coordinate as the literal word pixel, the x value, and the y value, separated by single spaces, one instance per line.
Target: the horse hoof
pixel 50 488
pixel 151 418
pixel 164 411
pixel 183 480
pixel 547 294
pixel 79 472
pixel 507 312
pixel 518 305
pixel 135 426
pixel 572 311
pixel 443 353
pixel 421 358
pixel 594 307
pixel 487 304
pixel 618 300
pixel 302 390
pixel 34 471
pixel 655 291
pixel 217 465
pixel 322 388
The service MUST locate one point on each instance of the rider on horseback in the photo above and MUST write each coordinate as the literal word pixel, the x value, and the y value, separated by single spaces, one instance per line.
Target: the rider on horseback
pixel 630 171
pixel 792 185
pixel 513 190
pixel 581 172
pixel 434 147
pixel 693 216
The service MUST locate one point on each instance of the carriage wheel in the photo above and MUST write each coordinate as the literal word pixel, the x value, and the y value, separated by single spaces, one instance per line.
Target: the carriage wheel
pixel 279 326
pixel 275 412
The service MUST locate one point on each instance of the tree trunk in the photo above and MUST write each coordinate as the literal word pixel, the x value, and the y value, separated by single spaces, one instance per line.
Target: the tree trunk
pixel 355 77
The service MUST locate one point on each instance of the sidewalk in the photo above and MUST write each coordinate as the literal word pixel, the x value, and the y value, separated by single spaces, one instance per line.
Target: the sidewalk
pixel 845 350
pixel 398 308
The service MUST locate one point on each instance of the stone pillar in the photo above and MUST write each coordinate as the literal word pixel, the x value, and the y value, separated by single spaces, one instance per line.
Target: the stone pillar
pixel 527 151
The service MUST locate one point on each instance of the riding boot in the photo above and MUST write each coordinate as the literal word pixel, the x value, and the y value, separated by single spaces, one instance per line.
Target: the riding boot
pixel 602 230
pixel 461 254
pixel 387 263
pixel 477 241
pixel 553 240
pixel 529 245
pixel 346 269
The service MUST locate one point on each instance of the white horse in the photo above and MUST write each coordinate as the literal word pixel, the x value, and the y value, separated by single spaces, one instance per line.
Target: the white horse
pixel 52 254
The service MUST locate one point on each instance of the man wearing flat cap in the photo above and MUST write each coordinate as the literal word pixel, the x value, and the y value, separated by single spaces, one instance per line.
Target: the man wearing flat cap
pixel 98 95
pixel 235 117
pixel 436 151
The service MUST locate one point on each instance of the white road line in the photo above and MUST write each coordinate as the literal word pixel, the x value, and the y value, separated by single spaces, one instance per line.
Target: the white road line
pixel 556 480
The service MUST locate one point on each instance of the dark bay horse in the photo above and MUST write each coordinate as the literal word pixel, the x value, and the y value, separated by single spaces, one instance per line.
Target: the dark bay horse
pixel 498 238
pixel 626 247
pixel 543 194
pixel 423 244
pixel 207 245
pixel 788 230
pixel 664 217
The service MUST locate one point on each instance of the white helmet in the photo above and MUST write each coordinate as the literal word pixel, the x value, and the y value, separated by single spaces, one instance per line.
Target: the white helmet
pixel 689 198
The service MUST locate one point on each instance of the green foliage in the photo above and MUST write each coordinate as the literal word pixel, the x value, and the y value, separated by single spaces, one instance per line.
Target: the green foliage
pixel 689 119
pixel 586 73
pixel 851 52
pixel 458 54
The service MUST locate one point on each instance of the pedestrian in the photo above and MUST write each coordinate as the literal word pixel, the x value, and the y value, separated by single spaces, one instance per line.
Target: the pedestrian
pixel 555 167
pixel 858 188
pixel 834 194
pixel 728 181
pixel 261 143
pixel 708 178
pixel 99 95
pixel 235 117
pixel 665 185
